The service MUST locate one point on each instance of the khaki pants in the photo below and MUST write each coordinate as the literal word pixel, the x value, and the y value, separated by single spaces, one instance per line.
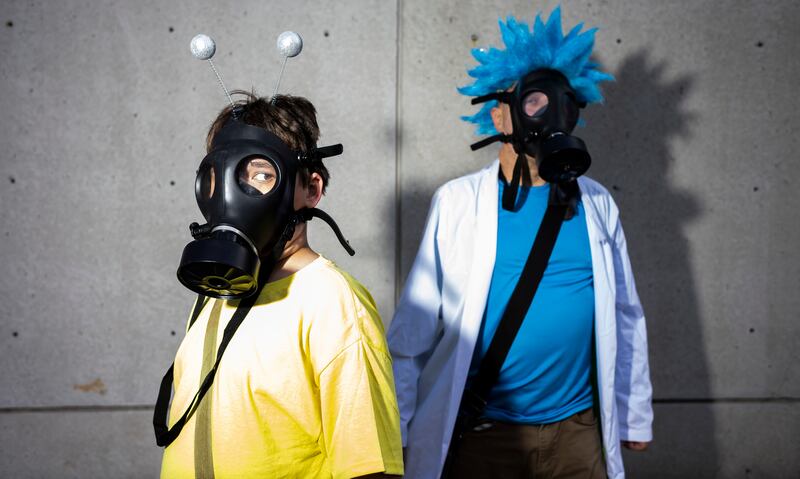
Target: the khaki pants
pixel 571 448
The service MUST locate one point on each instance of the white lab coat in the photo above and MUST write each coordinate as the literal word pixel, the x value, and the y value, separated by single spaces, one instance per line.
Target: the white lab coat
pixel 436 324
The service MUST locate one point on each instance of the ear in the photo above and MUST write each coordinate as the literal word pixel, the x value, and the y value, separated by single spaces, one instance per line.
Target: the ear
pixel 314 191
pixel 497 117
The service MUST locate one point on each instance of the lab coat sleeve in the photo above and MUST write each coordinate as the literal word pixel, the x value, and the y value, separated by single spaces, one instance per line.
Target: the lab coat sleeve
pixel 633 389
pixel 413 331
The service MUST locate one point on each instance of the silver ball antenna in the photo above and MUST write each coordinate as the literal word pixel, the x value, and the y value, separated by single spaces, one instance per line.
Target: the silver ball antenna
pixel 203 47
pixel 290 44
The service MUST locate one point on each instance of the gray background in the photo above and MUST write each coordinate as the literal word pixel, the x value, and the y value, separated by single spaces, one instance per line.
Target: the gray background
pixel 104 114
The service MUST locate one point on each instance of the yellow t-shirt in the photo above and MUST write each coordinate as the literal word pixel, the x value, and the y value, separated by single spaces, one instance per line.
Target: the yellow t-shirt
pixel 304 389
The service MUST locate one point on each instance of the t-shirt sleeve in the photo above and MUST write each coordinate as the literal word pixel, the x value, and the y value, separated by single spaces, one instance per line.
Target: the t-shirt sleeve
pixel 360 420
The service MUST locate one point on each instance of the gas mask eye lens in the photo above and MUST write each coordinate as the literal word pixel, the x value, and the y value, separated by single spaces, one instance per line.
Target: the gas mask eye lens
pixel 535 103
pixel 207 180
pixel 257 176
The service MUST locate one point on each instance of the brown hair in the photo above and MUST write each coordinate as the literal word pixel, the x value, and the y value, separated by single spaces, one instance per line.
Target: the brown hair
pixel 293 119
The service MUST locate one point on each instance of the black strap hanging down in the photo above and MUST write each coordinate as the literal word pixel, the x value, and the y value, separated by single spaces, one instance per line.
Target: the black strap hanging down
pixel 199 304
pixel 164 435
pixel 474 400
pixel 307 213
pixel 521 175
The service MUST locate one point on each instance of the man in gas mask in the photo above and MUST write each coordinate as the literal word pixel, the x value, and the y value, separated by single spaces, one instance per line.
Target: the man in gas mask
pixel 284 370
pixel 519 342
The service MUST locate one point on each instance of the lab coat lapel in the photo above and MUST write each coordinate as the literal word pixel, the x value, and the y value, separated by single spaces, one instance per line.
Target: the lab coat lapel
pixel 477 290
pixel 605 322
pixel 483 254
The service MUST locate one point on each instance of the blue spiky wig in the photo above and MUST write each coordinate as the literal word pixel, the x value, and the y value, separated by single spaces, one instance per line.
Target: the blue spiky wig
pixel 543 46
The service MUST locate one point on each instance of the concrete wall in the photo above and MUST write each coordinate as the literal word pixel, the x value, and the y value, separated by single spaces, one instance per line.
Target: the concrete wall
pixel 103 117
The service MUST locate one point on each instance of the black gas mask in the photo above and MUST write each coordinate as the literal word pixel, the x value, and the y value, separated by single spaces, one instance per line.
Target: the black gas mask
pixel 544 111
pixel 245 189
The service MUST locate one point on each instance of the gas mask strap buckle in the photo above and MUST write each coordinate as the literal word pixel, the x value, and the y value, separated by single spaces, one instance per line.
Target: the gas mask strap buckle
pixel 307 213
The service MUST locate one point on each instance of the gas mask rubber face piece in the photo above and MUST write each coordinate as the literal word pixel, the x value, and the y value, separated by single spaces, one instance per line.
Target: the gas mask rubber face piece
pixel 245 190
pixel 544 111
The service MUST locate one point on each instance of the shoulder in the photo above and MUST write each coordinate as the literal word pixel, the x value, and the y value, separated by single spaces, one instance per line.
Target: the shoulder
pixel 335 303
pixel 596 196
pixel 461 195
pixel 328 284
pixel 593 188
pixel 466 186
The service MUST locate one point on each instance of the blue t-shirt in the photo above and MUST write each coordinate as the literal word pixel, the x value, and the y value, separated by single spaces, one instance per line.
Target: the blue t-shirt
pixel 546 376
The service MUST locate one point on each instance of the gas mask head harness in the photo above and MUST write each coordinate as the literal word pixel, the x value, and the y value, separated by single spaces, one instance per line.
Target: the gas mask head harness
pixel 553 78
pixel 245 188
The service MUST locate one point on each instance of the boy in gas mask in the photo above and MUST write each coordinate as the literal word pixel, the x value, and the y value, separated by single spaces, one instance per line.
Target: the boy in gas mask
pixel 304 387
pixel 519 342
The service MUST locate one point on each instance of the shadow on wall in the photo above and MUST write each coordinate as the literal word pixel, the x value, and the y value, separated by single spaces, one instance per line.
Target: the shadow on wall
pixel 630 140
